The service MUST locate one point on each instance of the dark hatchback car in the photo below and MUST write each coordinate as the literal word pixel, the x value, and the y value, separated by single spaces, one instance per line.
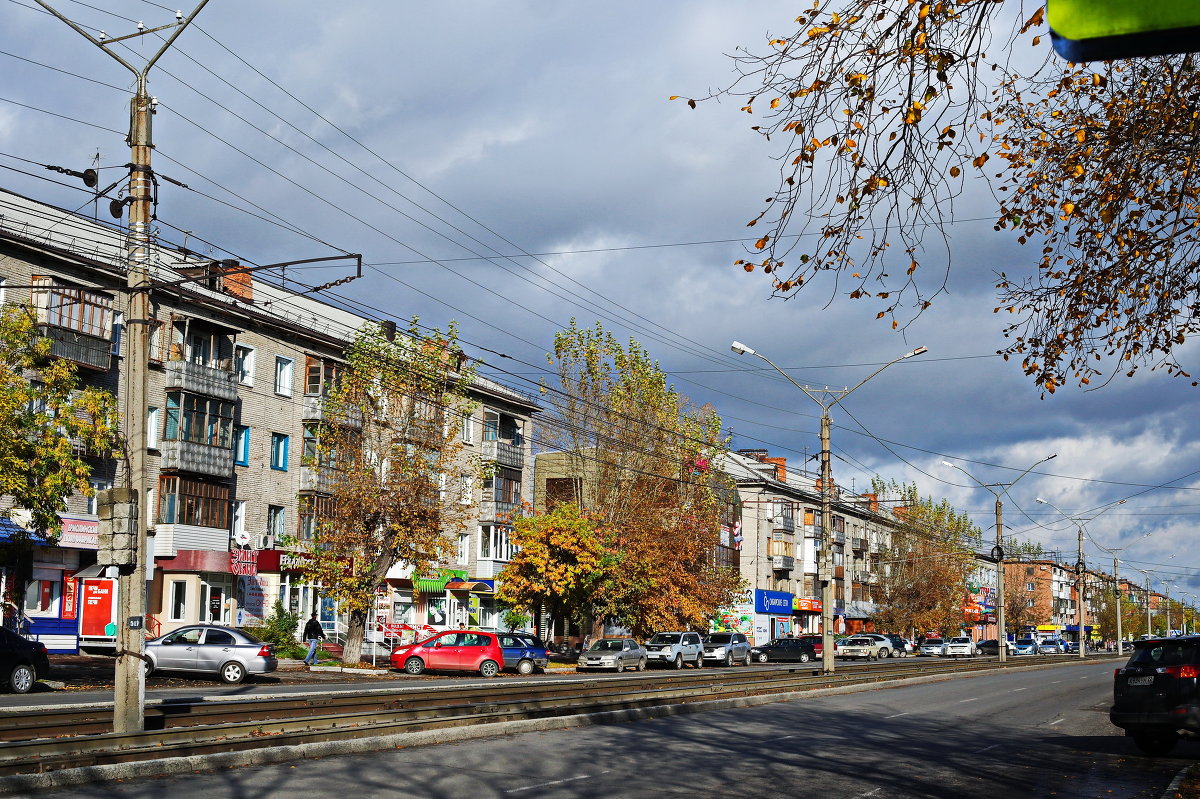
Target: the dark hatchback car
pixel 524 653
pixel 1156 694
pixel 22 662
pixel 784 649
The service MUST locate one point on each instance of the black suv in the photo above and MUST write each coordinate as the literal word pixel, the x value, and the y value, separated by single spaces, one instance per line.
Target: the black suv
pixel 1157 693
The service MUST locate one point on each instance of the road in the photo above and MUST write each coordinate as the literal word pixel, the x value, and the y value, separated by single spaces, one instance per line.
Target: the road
pixel 1026 733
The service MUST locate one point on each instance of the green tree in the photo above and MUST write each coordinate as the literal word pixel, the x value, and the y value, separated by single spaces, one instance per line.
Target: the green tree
pixel 885 113
pixel 49 426
pixel 643 457
pixel 927 565
pixel 390 449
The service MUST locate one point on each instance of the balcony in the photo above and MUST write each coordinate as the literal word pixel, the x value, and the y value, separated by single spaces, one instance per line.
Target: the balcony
pixel 505 454
pixel 782 563
pixel 87 351
pixel 839 537
pixel 858 544
pixel 207 381
pixel 188 456
pixel 498 511
pixel 315 479
pixel 813 531
pixel 785 524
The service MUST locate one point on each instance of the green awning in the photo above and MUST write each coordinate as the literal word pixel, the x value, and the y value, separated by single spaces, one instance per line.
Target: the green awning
pixel 430 585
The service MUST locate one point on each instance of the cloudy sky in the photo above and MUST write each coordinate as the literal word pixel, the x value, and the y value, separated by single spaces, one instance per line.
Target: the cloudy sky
pixel 511 165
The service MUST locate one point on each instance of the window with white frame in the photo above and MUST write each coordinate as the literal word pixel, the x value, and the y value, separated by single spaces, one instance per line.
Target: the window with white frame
pixel 1029 586
pixel 152 422
pixel 285 372
pixel 243 364
pixel 466 489
pixel 178 602
pixel 495 543
pixel 468 429
pixel 238 528
pixel 97 484
pixel 72 308
pixel 118 330
pixel 276 521
pixel 464 547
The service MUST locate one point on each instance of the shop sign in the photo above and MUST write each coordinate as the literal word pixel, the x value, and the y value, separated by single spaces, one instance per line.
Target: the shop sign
pixel 80 534
pixel 243 562
pixel 778 603
pixel 68 596
pixel 806 605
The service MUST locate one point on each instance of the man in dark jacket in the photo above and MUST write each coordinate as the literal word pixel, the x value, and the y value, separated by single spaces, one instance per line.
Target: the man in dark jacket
pixel 314 634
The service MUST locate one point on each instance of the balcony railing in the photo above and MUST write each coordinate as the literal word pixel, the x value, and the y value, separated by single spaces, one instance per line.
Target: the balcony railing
pixel 188 456
pixel 785 523
pixel 497 510
pixel 315 479
pixel 80 348
pixel 858 544
pixel 505 454
pixel 207 381
pixel 782 563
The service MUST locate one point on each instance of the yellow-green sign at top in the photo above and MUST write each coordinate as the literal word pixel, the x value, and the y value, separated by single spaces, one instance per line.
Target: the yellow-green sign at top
pixel 1103 30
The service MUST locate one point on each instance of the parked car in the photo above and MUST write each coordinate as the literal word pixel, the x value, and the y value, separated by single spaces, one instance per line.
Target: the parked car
pixel 796 650
pixel 617 654
pixel 932 647
pixel 1157 691
pixel 22 662
pixel 959 646
pixel 727 648
pixel 453 650
pixel 862 647
pixel 901 647
pixel 524 653
pixel 885 642
pixel 817 641
pixel 229 653
pixel 675 648
pixel 1025 646
pixel 992 647
pixel 1052 646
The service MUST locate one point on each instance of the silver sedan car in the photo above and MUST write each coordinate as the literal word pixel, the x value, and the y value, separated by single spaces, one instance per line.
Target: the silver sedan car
pixel 617 654
pixel 230 654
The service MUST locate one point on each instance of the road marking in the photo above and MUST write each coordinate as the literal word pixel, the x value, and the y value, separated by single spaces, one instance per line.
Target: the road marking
pixel 870 793
pixel 898 715
pixel 1056 682
pixel 552 782
pixel 1086 678
pixel 972 699
pixel 1019 689
pixel 1057 721
pixel 986 748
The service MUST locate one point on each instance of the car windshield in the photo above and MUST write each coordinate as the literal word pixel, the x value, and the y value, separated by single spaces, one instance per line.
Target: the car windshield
pixel 1026 641
pixel 665 638
pixel 718 638
pixel 932 642
pixel 609 645
pixel 859 642
pixel 1164 653
pixel 960 640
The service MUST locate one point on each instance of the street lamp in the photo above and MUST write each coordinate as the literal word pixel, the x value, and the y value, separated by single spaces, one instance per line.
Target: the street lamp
pixel 826 398
pixel 1080 566
pixel 998 550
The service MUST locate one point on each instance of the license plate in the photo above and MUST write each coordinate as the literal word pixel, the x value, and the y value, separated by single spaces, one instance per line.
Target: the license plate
pixel 1140 681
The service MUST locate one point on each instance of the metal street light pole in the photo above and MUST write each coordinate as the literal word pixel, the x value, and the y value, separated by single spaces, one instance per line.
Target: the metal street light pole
pixel 1080 567
pixel 998 550
pixel 1167 589
pixel 826 398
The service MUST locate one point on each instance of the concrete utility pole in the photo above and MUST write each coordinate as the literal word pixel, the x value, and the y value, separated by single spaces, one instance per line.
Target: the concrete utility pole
pixel 827 399
pixel 1120 606
pixel 1080 566
pixel 998 550
pixel 130 681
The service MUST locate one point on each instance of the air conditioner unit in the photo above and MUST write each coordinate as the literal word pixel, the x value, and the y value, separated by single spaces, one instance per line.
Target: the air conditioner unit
pixel 265 542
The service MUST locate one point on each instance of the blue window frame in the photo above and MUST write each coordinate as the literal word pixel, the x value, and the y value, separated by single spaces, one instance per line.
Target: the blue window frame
pixel 279 451
pixel 241 445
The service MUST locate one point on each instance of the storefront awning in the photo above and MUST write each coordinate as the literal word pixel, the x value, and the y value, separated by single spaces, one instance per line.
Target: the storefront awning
pixel 473 586
pixel 430 585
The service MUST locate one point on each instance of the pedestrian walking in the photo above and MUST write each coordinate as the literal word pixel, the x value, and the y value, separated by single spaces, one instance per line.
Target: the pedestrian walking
pixel 314 634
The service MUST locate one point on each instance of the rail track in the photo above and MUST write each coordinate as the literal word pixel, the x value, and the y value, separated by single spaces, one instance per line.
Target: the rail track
pixel 48 740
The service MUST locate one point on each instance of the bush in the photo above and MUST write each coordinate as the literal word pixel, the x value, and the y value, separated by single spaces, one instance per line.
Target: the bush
pixel 280 629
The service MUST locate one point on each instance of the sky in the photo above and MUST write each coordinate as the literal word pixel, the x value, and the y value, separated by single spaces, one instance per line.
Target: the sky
pixel 513 165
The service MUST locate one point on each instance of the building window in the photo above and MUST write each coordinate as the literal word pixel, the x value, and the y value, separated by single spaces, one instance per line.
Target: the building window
pixel 284 375
pixel 467 429
pixel 1029 586
pixel 1029 603
pixel 241 446
pixel 238 529
pixel 505 485
pixel 494 543
pixel 321 376
pixel 781 509
pixel 243 364
pixel 178 606
pixel 466 489
pixel 279 451
pixel 118 330
pixel 562 489
pixel 276 521
pixel 313 508
pixel 491 426
pixel 194 502
pixel 87 312
pixel 464 547
pixel 201 420
pixel 98 485
pixel 152 421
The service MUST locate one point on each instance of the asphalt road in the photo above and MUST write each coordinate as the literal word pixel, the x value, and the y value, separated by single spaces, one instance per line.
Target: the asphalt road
pixel 1027 733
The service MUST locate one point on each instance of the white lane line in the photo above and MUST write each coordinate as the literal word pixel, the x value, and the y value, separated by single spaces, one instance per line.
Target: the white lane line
pixel 896 716
pixel 1019 689
pixel 1057 721
pixel 869 793
pixel 972 699
pixel 552 782
pixel 986 748
pixel 1056 682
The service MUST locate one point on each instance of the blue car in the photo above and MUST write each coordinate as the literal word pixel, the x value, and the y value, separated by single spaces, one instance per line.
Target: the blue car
pixel 524 653
pixel 1026 646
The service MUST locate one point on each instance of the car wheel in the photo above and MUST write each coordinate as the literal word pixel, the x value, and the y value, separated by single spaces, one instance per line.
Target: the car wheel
pixel 233 673
pixel 699 660
pixel 1156 744
pixel 728 660
pixel 525 667
pixel 678 663
pixel 414 666
pixel 746 658
pixel 762 657
pixel 148 666
pixel 22 678
pixel 803 657
pixel 489 668
pixel 641 665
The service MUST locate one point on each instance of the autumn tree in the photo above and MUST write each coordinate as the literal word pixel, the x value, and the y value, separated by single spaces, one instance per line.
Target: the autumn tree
pixel 927 564
pixel 643 457
pixel 885 114
pixel 1106 602
pixel 389 450
pixel 49 424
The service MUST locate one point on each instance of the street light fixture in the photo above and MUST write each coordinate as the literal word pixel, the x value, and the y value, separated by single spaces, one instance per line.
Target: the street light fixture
pixel 1080 567
pixel 825 397
pixel 998 550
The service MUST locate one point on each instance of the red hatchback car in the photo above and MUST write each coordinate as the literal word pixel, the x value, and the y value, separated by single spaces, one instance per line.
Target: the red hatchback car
pixel 456 650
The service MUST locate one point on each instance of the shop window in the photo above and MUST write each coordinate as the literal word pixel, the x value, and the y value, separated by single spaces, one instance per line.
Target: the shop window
pixel 178 601
pixel 42 597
